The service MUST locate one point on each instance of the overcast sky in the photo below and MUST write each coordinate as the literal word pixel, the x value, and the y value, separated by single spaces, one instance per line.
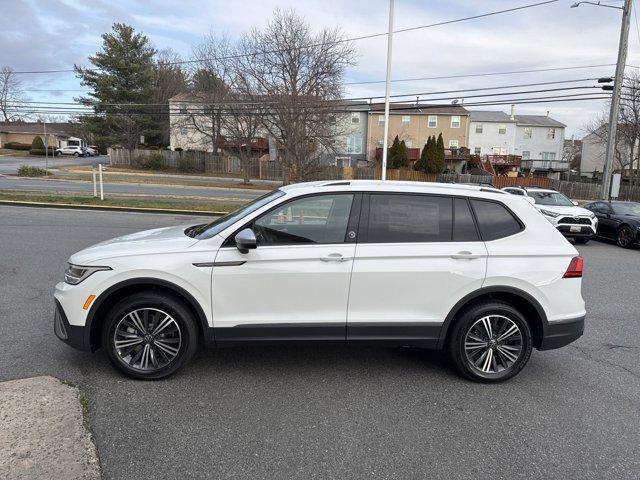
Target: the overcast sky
pixel 55 34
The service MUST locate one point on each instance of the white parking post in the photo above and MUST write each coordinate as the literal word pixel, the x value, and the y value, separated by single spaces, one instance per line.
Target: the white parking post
pixel 101 187
pixel 95 185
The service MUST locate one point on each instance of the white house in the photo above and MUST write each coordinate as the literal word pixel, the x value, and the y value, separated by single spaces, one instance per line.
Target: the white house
pixel 538 139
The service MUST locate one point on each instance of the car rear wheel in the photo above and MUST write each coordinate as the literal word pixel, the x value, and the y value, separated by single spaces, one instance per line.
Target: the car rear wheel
pixel 149 336
pixel 624 237
pixel 490 342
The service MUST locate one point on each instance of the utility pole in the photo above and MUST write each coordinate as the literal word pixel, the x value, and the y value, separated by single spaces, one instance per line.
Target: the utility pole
pixel 385 140
pixel 615 102
pixel 46 148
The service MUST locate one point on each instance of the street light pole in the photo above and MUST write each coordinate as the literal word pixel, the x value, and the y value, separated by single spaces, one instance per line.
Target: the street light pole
pixel 385 141
pixel 615 102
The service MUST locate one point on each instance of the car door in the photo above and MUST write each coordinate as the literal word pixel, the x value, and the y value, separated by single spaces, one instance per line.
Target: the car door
pixel 416 257
pixel 295 284
pixel 606 223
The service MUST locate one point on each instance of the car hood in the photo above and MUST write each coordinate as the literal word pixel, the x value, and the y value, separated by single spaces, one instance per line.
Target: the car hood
pixel 158 240
pixel 570 211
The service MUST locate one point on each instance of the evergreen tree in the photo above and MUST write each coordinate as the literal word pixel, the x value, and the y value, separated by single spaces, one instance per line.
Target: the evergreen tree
pixel 402 157
pixel 37 146
pixel 392 154
pixel 421 163
pixel 431 152
pixel 123 73
pixel 439 163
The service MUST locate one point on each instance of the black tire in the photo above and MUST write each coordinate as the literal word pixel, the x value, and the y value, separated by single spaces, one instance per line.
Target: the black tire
pixel 581 240
pixel 76 154
pixel 185 327
pixel 624 236
pixel 467 321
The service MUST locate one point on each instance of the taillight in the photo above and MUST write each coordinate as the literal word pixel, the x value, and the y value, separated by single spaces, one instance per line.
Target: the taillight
pixel 575 268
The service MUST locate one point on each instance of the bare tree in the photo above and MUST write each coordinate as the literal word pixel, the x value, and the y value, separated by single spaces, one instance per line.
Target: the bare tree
pixel 297 76
pixel 12 96
pixel 169 80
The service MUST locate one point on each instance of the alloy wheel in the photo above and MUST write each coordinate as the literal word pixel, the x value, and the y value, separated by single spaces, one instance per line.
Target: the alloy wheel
pixel 147 339
pixel 493 344
pixel 624 237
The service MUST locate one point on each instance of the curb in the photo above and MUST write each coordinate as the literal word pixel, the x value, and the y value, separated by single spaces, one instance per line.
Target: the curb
pixel 71 206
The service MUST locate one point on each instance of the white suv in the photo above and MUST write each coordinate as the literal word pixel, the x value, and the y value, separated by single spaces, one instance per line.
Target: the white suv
pixel 71 150
pixel 464 268
pixel 570 219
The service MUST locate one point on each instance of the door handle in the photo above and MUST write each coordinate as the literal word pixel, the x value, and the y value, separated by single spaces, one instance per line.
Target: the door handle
pixel 334 257
pixel 465 255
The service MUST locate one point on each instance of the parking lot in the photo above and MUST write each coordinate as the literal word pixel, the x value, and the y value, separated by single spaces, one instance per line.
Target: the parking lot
pixel 333 411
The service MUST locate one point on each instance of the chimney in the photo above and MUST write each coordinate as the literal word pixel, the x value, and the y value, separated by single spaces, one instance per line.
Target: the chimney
pixel 513 107
pixel 547 113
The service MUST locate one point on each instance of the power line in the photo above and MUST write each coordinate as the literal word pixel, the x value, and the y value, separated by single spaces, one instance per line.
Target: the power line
pixel 335 42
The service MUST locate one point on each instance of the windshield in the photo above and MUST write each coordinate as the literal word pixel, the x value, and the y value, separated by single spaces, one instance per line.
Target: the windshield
pixel 630 208
pixel 211 229
pixel 550 198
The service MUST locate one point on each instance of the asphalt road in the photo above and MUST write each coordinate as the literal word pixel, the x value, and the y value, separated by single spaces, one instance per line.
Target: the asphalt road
pixel 333 411
pixel 9 165
pixel 133 190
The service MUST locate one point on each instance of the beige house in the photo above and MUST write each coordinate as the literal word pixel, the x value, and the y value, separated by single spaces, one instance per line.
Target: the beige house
pixel 414 123
pixel 58 134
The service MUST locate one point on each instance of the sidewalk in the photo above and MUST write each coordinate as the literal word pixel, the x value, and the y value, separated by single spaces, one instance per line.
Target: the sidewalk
pixel 43 434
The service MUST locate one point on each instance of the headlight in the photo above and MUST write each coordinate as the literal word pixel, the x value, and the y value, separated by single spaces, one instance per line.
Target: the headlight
pixel 592 215
pixel 76 273
pixel 550 214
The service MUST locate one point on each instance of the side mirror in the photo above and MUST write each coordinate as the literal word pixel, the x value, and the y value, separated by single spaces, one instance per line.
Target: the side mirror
pixel 575 203
pixel 246 240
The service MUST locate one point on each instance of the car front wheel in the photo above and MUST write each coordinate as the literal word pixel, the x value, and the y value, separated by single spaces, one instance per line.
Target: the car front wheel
pixel 149 336
pixel 624 237
pixel 490 342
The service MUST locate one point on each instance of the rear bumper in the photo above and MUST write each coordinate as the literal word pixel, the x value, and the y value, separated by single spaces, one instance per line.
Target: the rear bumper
pixel 559 334
pixel 70 334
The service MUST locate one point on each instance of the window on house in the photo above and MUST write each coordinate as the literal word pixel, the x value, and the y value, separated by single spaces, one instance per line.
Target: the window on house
pixel 432 121
pixel 495 150
pixel 526 155
pixel 551 133
pixel 381 143
pixel 355 118
pixel 476 151
pixel 354 144
pixel 548 155
pixel 478 128
pixel 453 143
pixel 183 110
pixel 408 143
pixel 455 121
pixel 527 132
pixel 502 129
pixel 405 120
pixel 183 131
pixel 380 119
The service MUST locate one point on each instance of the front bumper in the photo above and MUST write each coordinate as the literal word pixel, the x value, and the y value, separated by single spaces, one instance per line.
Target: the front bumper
pixel 580 226
pixel 73 335
pixel 559 334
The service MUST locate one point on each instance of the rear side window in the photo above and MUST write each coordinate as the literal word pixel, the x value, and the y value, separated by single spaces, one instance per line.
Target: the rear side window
pixel 494 220
pixel 464 228
pixel 409 218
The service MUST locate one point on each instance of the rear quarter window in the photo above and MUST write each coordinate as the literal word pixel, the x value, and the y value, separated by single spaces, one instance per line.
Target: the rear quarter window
pixel 495 220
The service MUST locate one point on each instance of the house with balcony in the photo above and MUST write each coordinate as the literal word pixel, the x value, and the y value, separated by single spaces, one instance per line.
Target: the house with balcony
pixel 415 123
pixel 538 140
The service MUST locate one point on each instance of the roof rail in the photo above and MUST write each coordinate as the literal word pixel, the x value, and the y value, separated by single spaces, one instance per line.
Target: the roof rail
pixel 335 184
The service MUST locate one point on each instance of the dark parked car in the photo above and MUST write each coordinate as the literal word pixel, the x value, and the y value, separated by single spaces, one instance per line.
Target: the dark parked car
pixel 619 221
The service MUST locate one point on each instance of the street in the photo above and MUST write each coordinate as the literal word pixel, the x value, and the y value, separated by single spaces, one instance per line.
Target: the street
pixel 9 164
pixel 332 411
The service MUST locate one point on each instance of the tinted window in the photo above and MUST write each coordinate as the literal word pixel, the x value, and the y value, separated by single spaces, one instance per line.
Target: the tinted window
pixel 494 220
pixel 464 228
pixel 316 219
pixel 409 218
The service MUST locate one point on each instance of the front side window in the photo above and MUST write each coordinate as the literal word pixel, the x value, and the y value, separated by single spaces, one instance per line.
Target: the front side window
pixel 308 220
pixel 455 121
pixel 494 220
pixel 405 120
pixel 478 128
pixel 432 121
pixel 527 132
pixel 397 218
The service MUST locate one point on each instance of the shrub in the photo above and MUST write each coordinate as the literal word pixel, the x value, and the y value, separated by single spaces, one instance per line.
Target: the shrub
pixel 29 171
pixel 41 151
pixel 155 161
pixel 17 146
pixel 36 146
